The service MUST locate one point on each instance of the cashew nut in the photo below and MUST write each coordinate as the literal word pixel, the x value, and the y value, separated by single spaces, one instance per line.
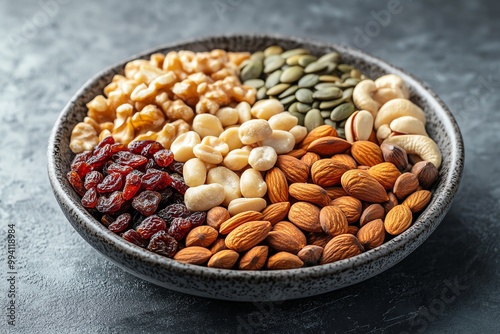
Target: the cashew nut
pixel 408 125
pixel 423 146
pixel 383 132
pixel 359 126
pixel 398 108
pixel 390 87
pixel 363 96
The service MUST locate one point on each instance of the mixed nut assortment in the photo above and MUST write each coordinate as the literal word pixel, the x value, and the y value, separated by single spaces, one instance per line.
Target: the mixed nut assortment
pixel 271 160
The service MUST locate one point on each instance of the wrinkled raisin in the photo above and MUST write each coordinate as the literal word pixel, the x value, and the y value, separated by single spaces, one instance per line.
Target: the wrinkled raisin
pixel 176 167
pixel 129 159
pixel 197 218
pixel 163 244
pixel 173 211
pixel 111 182
pixel 118 147
pixel 82 168
pixel 134 237
pixel 150 226
pixel 164 158
pixel 81 157
pixel 76 182
pixel 178 183
pixel 132 185
pixel 151 149
pixel 137 172
pixel 99 157
pixel 106 220
pixel 155 180
pixel 137 146
pixel 177 198
pixel 89 200
pixel 109 140
pixel 121 223
pixel 179 228
pixel 165 196
pixel 120 169
pixel 92 179
pixel 146 202
pixel 110 204
pixel 137 219
pixel 152 164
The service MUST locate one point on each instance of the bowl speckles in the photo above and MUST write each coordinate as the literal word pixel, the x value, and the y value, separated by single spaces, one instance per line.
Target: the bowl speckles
pixel 259 285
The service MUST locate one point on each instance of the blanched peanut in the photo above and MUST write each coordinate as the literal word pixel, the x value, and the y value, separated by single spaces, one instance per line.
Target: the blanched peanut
pixel 216 143
pixel 228 116
pixel 246 204
pixel 183 145
pixel 244 113
pixel 204 197
pixel 262 158
pixel 248 148
pixel 299 132
pixel 236 159
pixel 252 184
pixel 207 125
pixel 231 138
pixel 254 131
pixel 194 172
pixel 265 109
pixel 207 153
pixel 282 141
pixel 228 179
pixel 283 121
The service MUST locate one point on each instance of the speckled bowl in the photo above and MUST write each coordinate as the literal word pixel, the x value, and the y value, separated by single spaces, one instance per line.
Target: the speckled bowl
pixel 259 285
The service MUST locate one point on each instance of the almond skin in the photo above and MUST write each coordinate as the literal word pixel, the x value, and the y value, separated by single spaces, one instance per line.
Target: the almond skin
pixel 286 237
pixel 277 185
pixel 284 260
pixel 218 245
pixel 406 184
pixel 418 200
pixel 335 192
pixel 341 247
pixel 328 172
pixel 353 229
pixel 351 207
pixel 328 146
pixel 193 255
pixel 398 220
pixel 396 155
pixel 239 219
pixel 426 173
pixel 294 169
pixel 366 153
pixel 310 158
pixel 298 153
pixel 202 236
pixel 247 235
pixel 254 259
pixel 318 239
pixel 216 216
pixel 275 212
pixel 225 259
pixel 305 216
pixel 346 159
pixel 363 186
pixel 310 255
pixel 333 221
pixel 392 202
pixel 385 173
pixel 319 132
pixel 372 212
pixel 309 192
pixel 372 234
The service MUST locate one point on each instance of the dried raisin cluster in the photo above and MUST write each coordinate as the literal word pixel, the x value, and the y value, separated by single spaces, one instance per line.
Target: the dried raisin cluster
pixel 137 192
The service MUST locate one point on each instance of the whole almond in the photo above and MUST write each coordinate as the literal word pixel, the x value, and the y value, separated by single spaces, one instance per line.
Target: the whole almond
pixel 418 200
pixel 405 184
pixel 225 259
pixel 363 186
pixel 398 220
pixel 275 212
pixel 333 220
pixel 328 146
pixel 319 132
pixel 353 229
pixel 294 169
pixel 318 239
pixel 309 192
pixel 297 153
pixel 372 212
pixel 203 236
pixel 310 255
pixel 305 216
pixel 254 259
pixel 426 173
pixel 285 236
pixel 310 158
pixel 395 155
pixel 385 173
pixel 218 245
pixel 328 172
pixel 392 202
pixel 216 216
pixel 351 207
pixel 372 234
pixel 341 247
pixel 366 153
pixel 284 260
pixel 239 219
pixel 277 185
pixel 247 235
pixel 346 159
pixel 193 255
pixel 335 192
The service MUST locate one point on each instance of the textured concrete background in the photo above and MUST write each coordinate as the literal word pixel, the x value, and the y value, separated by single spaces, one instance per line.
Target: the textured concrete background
pixel 451 284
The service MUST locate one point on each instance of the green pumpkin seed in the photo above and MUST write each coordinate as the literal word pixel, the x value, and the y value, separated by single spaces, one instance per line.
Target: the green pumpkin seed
pixel 274 65
pixel 284 67
pixel 328 105
pixel 313 119
pixel 344 68
pixel 325 114
pixel 341 132
pixel 280 88
pixel 294 52
pixel 292 74
pixel 257 56
pixel 324 85
pixel 293 60
pixel 288 99
pixel 356 74
pixel 273 50
pixel 273 79
pixel 345 76
pixel 342 124
pixel 329 78
pixel 330 122
pixel 271 58
pixel 332 57
pixel 303 107
pixel 316 104
pixel 304 95
pixel 347 94
pixel 315 67
pixel 308 80
pixel 352 82
pixel 327 94
pixel 342 112
pixel 261 93
pixel 256 83
pixel 289 91
pixel 252 71
pixel 243 64
pixel 330 69
pixel 305 60
pixel 293 107
pixel 300 117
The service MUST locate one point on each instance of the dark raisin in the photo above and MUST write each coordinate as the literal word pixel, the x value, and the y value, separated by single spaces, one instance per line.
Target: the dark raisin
pixel 76 182
pixel 129 159
pixel 112 182
pixel 99 157
pixel 150 149
pixel 176 167
pixel 197 218
pixel 82 168
pixel 89 200
pixel 152 164
pixel 81 157
pixel 106 141
pixel 137 146
pixel 165 196
pixel 150 226
pixel 120 169
pixel 137 172
pixel 92 179
pixel 179 228
pixel 178 183
pixel 110 204
pixel 118 147
pixel 173 211
pixel 132 185
pixel 134 237
pixel 155 180
pixel 106 220
pixel 163 244
pixel 164 158
pixel 121 223
pixel 146 202
pixel 137 219
pixel 177 198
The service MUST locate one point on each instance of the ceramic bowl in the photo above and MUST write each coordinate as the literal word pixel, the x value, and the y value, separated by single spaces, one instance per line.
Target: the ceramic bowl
pixel 259 285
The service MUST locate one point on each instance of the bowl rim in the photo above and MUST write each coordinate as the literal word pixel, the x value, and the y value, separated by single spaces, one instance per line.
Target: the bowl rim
pixel 426 219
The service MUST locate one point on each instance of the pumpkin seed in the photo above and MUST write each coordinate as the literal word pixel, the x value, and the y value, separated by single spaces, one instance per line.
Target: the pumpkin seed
pixel 294 52
pixel 356 74
pixel 271 58
pixel 330 69
pixel 316 104
pixel 243 64
pixel 313 119
pixel 288 100
pixel 345 76
pixel 352 81
pixel 303 107
pixel 257 56
pixel 293 107
pixel 293 60
pixel 330 122
pixel 305 60
pixel 289 91
pixel 342 112
pixel 304 95
pixel 256 83
pixel 342 124
pixel 261 93
pixel 325 114
pixel 273 79
pixel 273 50
pixel 347 94
pixel 292 74
pixel 324 85
pixel 274 65
pixel 300 117
pixel 252 71
pixel 328 94
pixel 308 80
pixel 315 67
pixel 332 57
pixel 341 132
pixel 329 78
pixel 344 68
pixel 331 104
pixel 280 88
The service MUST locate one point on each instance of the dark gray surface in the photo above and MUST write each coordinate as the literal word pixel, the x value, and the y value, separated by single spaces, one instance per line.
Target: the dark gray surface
pixel 65 286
